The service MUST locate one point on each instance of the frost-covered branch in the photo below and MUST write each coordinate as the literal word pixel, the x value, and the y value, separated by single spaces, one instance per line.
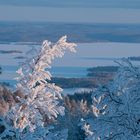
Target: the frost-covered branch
pixel 116 106
pixel 42 97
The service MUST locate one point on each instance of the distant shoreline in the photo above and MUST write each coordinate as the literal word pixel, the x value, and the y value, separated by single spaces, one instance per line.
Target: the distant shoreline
pixel 35 32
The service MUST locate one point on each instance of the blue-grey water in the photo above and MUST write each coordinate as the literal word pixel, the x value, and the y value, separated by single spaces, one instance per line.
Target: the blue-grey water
pixel 71 65
pixel 67 72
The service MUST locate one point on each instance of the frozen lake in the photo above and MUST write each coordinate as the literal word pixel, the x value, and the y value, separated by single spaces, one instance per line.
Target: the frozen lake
pixel 71 65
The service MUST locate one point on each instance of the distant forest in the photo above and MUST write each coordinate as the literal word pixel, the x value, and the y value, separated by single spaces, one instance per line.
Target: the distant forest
pixel 79 33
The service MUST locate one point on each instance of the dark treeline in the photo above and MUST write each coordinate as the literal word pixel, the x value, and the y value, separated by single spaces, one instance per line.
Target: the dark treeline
pixel 0 70
pixel 102 71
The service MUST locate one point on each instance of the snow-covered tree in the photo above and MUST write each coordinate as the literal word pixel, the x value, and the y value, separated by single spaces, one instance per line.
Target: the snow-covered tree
pixel 116 106
pixel 42 98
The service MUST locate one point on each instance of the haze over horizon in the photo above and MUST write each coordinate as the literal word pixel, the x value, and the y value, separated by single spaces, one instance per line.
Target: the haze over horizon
pixel 78 3
pixel 79 11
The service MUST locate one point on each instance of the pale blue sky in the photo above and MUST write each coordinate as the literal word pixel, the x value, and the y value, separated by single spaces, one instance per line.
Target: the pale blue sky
pixel 75 3
pixel 75 11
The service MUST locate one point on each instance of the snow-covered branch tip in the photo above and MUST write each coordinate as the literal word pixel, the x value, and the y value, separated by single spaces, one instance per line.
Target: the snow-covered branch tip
pixel 42 97
pixel 116 106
